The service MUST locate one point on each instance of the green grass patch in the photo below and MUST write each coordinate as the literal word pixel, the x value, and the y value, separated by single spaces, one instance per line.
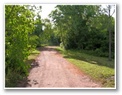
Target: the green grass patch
pixel 98 68
pixel 33 55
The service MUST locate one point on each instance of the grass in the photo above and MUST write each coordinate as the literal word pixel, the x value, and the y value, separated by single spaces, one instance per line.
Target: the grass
pixel 33 55
pixel 98 68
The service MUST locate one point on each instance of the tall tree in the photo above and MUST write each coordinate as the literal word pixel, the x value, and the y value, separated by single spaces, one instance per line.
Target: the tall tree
pixel 73 20
pixel 109 10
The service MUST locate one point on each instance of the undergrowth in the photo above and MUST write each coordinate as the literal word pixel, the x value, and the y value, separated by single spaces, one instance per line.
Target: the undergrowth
pixel 12 78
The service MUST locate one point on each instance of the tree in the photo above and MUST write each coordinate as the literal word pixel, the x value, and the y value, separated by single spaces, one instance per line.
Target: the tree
pixel 108 11
pixel 19 23
pixel 73 20
pixel 83 27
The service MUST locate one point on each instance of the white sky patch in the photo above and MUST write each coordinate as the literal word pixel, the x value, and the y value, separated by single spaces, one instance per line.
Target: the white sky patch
pixel 113 9
pixel 46 10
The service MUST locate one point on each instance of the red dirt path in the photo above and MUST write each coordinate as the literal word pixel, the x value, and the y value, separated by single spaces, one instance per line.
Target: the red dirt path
pixel 52 70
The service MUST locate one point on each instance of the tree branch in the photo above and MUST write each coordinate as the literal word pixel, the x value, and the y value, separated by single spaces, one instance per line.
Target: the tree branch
pixel 113 12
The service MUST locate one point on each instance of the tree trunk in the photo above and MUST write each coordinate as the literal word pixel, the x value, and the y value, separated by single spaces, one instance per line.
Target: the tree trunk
pixel 109 28
pixel 109 44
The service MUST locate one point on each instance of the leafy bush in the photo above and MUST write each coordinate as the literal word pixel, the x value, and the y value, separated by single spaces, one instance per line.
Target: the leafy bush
pixel 18 27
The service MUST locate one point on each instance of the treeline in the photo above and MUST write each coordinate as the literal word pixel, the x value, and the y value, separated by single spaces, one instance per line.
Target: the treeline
pixel 22 32
pixel 49 36
pixel 85 27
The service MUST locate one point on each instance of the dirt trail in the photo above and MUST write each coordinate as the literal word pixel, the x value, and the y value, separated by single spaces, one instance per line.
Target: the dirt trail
pixel 52 70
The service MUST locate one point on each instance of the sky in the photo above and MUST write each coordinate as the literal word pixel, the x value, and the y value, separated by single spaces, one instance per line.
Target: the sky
pixel 47 8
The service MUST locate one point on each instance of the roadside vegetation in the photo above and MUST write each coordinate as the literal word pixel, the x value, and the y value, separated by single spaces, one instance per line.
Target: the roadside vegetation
pixel 33 56
pixel 22 34
pixel 98 68
pixel 12 79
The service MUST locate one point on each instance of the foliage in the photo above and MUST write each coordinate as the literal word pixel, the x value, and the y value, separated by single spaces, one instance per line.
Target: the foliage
pixel 38 30
pixel 19 41
pixel 49 35
pixel 83 27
